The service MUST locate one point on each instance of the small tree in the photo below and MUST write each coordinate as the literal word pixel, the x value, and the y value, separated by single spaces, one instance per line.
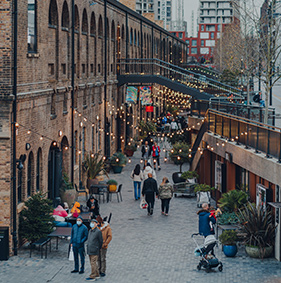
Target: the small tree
pixel 180 153
pixel 36 220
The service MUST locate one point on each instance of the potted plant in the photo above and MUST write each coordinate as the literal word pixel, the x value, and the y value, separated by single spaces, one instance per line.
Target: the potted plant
pixel 130 149
pixel 67 191
pixel 117 161
pixel 112 185
pixel 146 128
pixel 203 193
pixel 190 176
pixel 36 220
pixel 233 200
pixel 257 224
pixel 180 154
pixel 228 239
pixel 94 165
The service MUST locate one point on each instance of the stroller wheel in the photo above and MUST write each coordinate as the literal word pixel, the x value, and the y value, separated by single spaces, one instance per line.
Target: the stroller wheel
pixel 198 267
pixel 220 268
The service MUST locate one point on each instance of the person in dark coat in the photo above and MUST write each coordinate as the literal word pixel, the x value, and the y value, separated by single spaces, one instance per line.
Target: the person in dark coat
pixel 205 217
pixel 93 205
pixel 95 242
pixel 79 234
pixel 149 190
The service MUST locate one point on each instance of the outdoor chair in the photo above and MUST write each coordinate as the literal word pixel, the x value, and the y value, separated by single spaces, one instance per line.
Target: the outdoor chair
pixel 97 191
pixel 81 190
pixel 117 192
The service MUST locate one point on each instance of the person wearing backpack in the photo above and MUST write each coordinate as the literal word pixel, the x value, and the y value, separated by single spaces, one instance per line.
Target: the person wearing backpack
pixel 156 156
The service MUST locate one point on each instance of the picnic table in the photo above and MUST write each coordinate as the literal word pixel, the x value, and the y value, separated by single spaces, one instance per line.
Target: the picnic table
pixel 60 232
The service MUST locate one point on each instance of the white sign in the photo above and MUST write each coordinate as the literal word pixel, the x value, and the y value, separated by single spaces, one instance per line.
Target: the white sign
pixel 218 175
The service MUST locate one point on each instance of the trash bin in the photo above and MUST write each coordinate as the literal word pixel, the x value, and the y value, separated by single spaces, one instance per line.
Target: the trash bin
pixel 4 243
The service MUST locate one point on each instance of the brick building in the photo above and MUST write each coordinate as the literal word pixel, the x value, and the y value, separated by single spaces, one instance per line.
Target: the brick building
pixel 59 119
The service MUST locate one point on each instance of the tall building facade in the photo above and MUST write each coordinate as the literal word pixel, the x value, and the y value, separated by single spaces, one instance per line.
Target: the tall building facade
pixel 212 18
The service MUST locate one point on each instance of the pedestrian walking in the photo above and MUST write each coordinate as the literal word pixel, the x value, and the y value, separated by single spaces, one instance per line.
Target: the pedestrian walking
pixel 205 217
pixel 149 190
pixel 146 152
pixel 79 234
pixel 148 169
pixel 93 249
pixel 105 229
pixel 165 194
pixel 137 177
pixel 174 125
pixel 156 155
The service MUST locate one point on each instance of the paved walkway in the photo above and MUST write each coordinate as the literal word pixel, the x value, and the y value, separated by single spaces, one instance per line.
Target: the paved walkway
pixel 144 249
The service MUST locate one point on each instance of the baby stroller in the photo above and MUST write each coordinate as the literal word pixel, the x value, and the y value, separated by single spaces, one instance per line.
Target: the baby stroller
pixel 206 252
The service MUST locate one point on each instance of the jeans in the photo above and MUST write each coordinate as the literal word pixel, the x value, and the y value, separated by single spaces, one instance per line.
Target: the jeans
pixel 81 251
pixel 137 186
pixel 150 199
pixel 102 260
pixel 165 205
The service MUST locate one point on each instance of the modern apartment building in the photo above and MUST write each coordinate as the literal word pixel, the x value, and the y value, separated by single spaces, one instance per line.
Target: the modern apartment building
pixel 213 16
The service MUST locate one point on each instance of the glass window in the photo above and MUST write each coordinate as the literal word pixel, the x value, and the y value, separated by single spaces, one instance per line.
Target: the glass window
pixel 75 147
pixel 19 185
pixel 38 172
pixel 29 176
pixel 212 35
pixel 202 42
pixel 31 27
pixel 194 50
pixel 202 28
pixel 194 42
pixel 180 34
pixel 83 143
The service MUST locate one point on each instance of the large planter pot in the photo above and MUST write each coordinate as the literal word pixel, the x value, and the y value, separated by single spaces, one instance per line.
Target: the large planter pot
pixel 256 252
pixel 129 152
pixel 230 250
pixel 117 169
pixel 92 182
pixel 68 196
pixel 112 188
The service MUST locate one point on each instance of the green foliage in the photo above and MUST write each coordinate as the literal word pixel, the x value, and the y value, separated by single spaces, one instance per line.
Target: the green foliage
pixel 228 218
pixel 203 188
pixel 146 127
pixel 228 237
pixel 173 110
pixel 130 147
pixel 178 137
pixel 179 154
pixel 66 184
pixel 112 182
pixel 94 165
pixel 233 200
pixel 258 226
pixel 189 175
pixel 36 220
pixel 230 77
pixel 118 159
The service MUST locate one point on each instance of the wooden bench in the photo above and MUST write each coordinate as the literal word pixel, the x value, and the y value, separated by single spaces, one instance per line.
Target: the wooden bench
pixel 41 243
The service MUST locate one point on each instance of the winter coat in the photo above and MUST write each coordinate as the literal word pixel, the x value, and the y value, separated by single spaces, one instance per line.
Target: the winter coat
pixel 147 170
pixel 137 178
pixel 154 151
pixel 149 187
pixel 94 242
pixel 174 125
pixel 166 191
pixel 204 222
pixel 146 151
pixel 106 234
pixel 79 235
pixel 94 207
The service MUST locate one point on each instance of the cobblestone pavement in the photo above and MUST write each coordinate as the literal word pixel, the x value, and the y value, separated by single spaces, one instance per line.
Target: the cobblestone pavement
pixel 144 249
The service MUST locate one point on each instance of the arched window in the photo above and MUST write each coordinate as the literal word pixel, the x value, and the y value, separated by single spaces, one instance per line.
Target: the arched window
pixel 30 174
pixel 65 16
pixel 85 22
pixel 76 23
pixel 138 40
pixel 20 185
pixel 100 27
pixel 32 26
pixel 39 170
pixel 135 38
pixel 53 14
pixel 93 24
pixel 131 36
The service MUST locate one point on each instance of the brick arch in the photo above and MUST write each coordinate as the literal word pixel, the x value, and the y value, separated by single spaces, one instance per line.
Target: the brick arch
pixel 113 47
pixel 53 13
pixel 65 16
pixel 93 44
pixel 30 175
pixel 65 155
pixel 93 24
pixel 77 22
pixel 39 170
pixel 100 45
pixel 85 21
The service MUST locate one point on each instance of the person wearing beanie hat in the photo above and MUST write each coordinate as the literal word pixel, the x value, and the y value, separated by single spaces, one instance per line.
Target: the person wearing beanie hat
pixel 79 235
pixel 93 205
pixel 93 249
pixel 107 237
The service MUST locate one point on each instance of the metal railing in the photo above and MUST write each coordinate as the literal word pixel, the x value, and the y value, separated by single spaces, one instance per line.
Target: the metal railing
pixel 255 113
pixel 158 67
pixel 259 136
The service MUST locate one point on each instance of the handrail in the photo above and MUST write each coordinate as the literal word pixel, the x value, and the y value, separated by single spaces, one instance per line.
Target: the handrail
pixel 192 76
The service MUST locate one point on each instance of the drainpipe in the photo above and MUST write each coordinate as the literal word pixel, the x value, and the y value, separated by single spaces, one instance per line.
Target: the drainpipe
pixel 105 79
pixel 72 90
pixel 14 138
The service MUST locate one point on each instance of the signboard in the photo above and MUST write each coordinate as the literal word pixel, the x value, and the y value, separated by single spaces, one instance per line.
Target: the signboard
pixel 131 94
pixel 261 195
pixel 145 95
pixel 218 175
